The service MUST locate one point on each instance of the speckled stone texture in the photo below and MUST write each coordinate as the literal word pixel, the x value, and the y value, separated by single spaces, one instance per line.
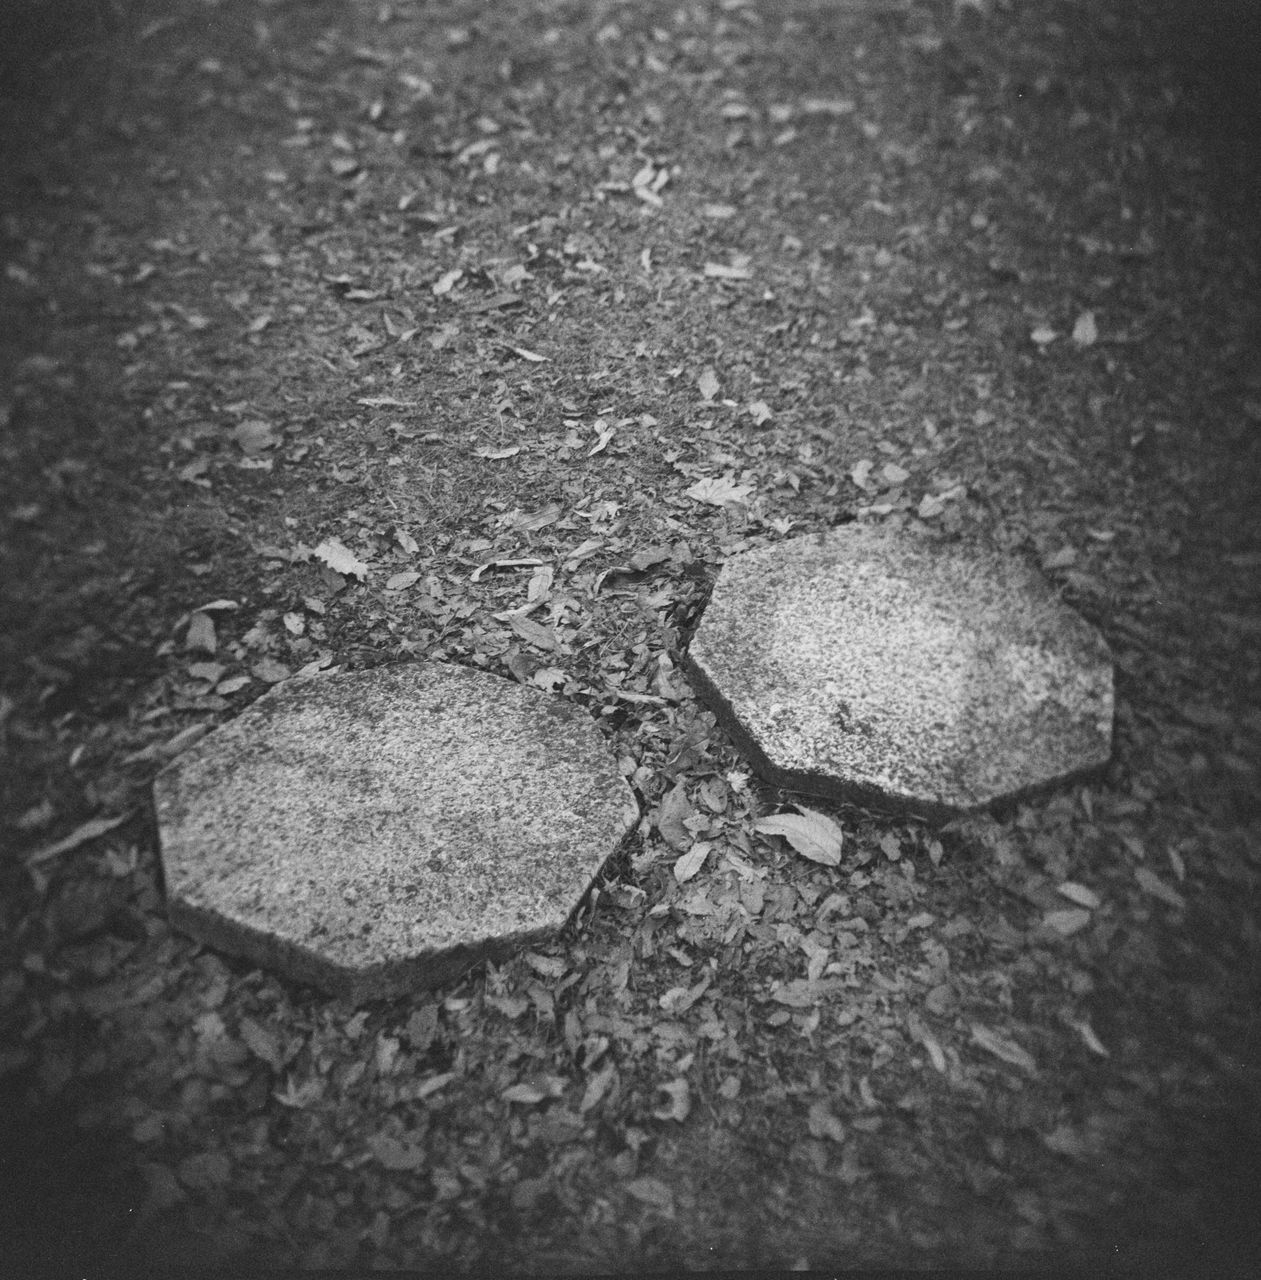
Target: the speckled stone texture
pixel 381 831
pixel 885 669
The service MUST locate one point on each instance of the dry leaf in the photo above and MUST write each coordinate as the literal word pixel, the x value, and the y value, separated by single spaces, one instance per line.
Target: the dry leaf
pixel 1067 922
pixel 263 1043
pixel 201 634
pixel 339 557
pixel 533 633
pixel 394 1154
pixel 597 1086
pixel 254 436
pixel 1079 894
pixel 834 107
pixel 813 835
pixel 525 353
pixel 692 861
pixel 718 271
pixel 270 671
pixel 526 1094
pixel 447 281
pixel 1151 883
pixel 823 1124
pixel 1003 1047
pixel 707 384
pixel 1086 331
pixel 651 1191
pixel 719 492
pixel 674 810
pixel 90 830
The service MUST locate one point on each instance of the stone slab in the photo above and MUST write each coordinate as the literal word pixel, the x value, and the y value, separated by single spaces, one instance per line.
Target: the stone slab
pixel 376 832
pixel 878 667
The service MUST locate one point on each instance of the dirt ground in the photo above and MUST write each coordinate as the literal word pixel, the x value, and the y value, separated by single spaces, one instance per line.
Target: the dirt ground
pixel 315 313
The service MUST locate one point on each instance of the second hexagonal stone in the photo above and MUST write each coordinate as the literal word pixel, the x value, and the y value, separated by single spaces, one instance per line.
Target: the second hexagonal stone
pixel 881 668
pixel 379 831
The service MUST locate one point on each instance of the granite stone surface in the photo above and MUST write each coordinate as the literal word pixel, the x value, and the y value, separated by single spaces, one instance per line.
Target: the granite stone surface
pixel 379 831
pixel 886 669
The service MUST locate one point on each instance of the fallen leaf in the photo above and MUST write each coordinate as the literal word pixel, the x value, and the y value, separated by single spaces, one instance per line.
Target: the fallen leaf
pixel 707 384
pixel 860 474
pixel 1060 559
pixel 1043 335
pixel 447 281
pixel 823 1124
pixel 799 993
pixel 525 1094
pixel 602 440
pixel 1087 1033
pixel 719 492
pixel 1064 1140
pixel 834 107
pixel 339 557
pixel 180 743
pixel 1151 883
pixel 1003 1047
pixel 719 271
pixel 525 353
pixel 394 1154
pixel 597 1086
pixel 263 1043
pixel 301 1095
pixel 401 581
pixel 201 634
pixel 255 435
pixel 652 1192
pixel 497 455
pixel 650 556
pixel 892 474
pixel 208 671
pixel 533 633
pixel 1067 922
pixel 1086 330
pixel 813 835
pixel 1079 894
pixel 90 830
pixel 270 671
pixel 692 861
pixel 672 813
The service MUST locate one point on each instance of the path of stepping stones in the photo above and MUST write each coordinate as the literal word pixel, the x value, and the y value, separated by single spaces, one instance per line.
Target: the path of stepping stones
pixel 377 832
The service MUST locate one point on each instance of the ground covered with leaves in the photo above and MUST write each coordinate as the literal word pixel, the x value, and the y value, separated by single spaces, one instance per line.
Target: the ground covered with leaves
pixel 341 333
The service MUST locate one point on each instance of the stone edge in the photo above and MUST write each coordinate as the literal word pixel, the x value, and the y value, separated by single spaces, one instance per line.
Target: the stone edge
pixel 383 980
pixel 824 786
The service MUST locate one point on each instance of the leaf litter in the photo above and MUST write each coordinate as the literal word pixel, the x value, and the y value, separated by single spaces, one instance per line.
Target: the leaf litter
pixel 926 1028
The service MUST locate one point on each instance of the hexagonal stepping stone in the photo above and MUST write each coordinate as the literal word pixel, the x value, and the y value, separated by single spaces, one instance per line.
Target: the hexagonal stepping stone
pixel 884 669
pixel 380 831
